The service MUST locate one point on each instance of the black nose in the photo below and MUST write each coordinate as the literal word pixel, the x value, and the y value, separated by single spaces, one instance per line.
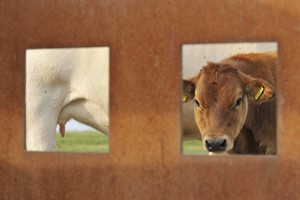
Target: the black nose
pixel 214 145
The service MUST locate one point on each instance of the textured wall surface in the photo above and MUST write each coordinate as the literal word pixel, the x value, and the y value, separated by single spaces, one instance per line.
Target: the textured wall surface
pixel 145 40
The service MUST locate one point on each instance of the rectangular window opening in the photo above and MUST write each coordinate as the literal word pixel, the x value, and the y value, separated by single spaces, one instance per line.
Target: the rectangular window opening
pixel 229 98
pixel 67 100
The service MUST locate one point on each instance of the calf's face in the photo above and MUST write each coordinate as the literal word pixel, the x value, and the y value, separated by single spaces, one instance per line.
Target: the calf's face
pixel 221 95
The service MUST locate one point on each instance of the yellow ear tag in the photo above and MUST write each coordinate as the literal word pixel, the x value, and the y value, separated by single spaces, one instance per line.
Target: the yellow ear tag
pixel 259 93
pixel 184 98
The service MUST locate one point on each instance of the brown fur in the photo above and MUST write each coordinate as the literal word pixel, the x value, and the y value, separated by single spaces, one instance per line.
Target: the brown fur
pixel 245 143
pixel 249 127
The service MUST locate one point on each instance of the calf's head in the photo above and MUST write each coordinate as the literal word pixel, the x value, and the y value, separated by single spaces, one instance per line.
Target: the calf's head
pixel 221 96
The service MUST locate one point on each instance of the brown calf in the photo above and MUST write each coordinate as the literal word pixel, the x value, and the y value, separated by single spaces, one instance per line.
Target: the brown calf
pixel 235 105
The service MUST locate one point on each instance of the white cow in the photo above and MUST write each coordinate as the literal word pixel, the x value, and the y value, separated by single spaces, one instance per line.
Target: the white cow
pixel 62 84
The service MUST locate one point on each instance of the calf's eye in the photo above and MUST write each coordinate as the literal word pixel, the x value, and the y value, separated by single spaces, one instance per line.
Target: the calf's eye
pixel 238 102
pixel 196 102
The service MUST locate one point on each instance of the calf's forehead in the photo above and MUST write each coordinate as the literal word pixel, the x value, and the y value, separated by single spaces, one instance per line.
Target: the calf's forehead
pixel 224 86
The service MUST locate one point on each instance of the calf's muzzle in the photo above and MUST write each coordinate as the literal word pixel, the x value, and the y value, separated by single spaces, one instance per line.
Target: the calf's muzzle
pixel 216 145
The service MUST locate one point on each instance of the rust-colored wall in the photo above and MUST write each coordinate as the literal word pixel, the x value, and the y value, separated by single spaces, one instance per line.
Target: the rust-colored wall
pixel 145 38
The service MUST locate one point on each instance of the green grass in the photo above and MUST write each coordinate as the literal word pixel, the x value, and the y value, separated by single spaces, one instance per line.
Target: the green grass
pixel 89 141
pixel 193 147
pixel 92 141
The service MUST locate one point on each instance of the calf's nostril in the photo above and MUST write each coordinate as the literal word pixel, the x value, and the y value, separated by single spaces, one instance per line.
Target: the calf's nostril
pixel 223 143
pixel 208 144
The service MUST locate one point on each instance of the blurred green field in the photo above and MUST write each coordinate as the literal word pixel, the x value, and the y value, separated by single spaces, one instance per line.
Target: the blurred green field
pixel 92 141
pixel 88 141
pixel 193 147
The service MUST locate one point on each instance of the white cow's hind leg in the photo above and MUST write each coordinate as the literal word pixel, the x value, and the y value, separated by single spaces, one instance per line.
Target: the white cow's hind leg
pixel 41 117
pixel 40 136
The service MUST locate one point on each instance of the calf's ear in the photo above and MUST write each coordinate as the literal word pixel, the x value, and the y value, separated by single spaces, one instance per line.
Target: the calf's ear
pixel 188 91
pixel 260 91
